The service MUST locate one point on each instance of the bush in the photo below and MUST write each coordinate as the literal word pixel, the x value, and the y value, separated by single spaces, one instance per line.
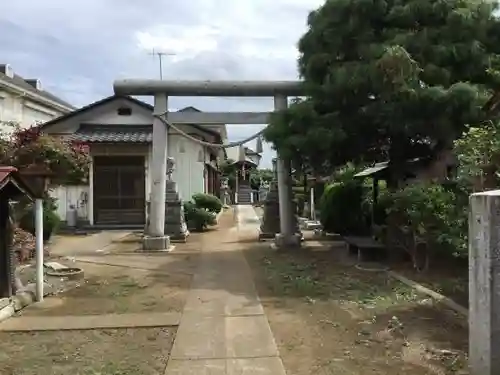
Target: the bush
pixel 342 210
pixel 51 220
pixel 435 214
pixel 197 218
pixel 208 202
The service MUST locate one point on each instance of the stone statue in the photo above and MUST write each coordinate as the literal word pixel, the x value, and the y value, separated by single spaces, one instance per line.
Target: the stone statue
pixel 175 224
pixel 170 167
pixel 224 185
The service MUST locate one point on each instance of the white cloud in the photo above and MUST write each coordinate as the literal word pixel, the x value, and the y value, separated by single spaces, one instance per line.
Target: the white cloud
pixel 78 48
pixel 182 43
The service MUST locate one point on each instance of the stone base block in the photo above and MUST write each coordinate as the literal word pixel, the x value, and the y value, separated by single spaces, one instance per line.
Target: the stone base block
pixel 179 238
pixel 294 241
pixel 312 225
pixel 150 243
pixel 266 236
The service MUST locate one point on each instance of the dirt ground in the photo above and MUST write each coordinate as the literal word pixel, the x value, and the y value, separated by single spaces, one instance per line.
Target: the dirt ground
pixel 116 281
pixel 327 316
pixel 124 284
pixel 91 352
pixel 451 281
pixel 331 318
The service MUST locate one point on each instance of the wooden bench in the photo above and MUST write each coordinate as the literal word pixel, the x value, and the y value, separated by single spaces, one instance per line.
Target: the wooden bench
pixel 365 248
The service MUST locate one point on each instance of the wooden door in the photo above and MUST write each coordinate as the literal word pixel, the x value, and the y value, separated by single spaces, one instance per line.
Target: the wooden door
pixel 119 191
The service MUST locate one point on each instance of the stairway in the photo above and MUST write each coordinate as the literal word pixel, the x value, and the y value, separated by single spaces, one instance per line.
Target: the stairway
pixel 244 194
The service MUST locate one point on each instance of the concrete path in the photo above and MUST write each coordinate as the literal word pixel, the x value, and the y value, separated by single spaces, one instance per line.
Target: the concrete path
pixel 84 245
pixel 223 329
pixel 73 322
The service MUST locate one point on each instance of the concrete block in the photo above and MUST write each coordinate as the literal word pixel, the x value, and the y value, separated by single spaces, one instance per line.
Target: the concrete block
pixel 161 243
pixel 292 241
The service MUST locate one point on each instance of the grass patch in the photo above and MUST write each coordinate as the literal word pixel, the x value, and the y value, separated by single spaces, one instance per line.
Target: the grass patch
pixel 329 317
pixel 309 276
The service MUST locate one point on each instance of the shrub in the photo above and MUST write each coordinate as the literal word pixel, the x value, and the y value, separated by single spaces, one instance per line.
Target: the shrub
pixel 433 213
pixel 208 202
pixel 51 220
pixel 342 210
pixel 197 218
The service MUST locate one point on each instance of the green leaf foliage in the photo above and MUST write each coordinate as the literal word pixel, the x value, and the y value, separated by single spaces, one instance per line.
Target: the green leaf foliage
pixel 433 213
pixel 342 208
pixel 209 202
pixel 389 79
pixel 478 149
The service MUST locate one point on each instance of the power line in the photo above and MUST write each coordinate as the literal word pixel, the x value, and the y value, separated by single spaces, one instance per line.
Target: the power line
pixel 160 55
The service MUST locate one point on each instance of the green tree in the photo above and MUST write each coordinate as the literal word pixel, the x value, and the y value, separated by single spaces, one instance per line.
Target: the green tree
pixel 229 170
pixel 478 154
pixel 389 79
pixel 260 175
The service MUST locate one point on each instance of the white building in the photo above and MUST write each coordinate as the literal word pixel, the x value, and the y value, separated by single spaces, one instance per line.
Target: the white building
pixel 119 132
pixel 25 102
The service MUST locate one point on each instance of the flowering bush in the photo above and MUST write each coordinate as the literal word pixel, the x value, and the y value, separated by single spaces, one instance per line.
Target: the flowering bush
pixel 67 160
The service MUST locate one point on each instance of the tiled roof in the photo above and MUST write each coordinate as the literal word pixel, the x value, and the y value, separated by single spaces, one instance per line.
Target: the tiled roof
pixel 21 83
pixel 218 131
pixel 10 179
pixel 113 133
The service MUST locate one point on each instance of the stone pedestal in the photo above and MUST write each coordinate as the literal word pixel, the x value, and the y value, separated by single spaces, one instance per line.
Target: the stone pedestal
pixel 263 194
pixel 287 242
pixel 270 225
pixel 161 243
pixel 175 224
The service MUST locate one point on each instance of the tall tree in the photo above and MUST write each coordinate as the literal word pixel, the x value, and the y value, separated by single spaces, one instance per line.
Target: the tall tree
pixel 389 79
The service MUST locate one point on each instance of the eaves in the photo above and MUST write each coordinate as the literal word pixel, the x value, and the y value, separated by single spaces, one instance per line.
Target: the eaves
pixel 34 97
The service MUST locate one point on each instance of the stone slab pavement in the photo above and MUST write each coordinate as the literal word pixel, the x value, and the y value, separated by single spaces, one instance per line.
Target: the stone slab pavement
pixel 84 245
pixel 223 328
pixel 61 323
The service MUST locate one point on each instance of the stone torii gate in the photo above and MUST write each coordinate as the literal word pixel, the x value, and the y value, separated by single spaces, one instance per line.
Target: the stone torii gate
pixel 155 238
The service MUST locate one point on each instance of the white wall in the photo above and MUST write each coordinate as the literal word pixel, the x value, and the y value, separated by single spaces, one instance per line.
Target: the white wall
pixel 19 108
pixel 71 195
pixel 104 114
pixel 189 172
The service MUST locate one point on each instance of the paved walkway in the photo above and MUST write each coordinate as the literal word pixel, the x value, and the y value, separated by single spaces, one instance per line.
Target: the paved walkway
pixel 223 328
pixel 84 245
pixel 75 322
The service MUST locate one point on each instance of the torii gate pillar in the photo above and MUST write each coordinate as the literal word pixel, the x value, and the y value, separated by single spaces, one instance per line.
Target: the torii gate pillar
pixel 160 89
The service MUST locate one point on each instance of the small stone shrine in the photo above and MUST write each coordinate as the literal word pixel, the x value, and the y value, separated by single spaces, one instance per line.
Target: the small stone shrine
pixel 175 223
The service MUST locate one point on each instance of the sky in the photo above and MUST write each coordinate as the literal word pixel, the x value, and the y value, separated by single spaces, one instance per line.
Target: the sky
pixel 78 48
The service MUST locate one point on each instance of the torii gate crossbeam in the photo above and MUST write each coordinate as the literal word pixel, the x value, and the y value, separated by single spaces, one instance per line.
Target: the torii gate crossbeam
pixel 155 238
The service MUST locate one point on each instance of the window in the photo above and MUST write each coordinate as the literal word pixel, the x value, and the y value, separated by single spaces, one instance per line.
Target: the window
pixel 124 111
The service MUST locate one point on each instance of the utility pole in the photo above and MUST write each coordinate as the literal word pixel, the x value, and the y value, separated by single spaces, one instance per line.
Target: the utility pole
pixel 160 55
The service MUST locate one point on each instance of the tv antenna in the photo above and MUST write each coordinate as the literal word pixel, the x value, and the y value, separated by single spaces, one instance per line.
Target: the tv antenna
pixel 160 55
